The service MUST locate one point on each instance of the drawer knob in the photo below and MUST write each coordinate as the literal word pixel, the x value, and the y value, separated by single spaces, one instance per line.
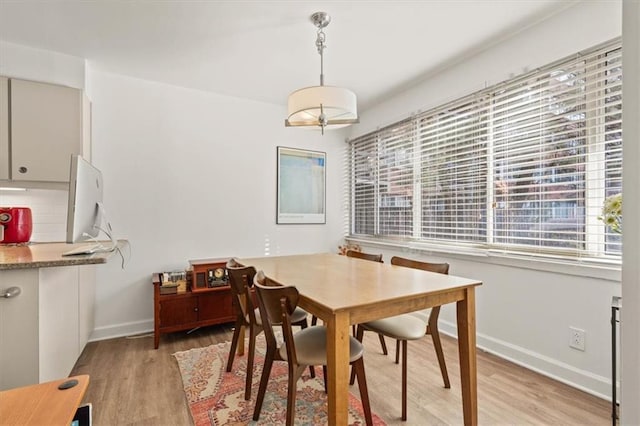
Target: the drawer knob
pixel 22 169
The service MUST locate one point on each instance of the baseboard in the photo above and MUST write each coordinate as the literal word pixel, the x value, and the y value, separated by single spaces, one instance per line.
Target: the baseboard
pixel 121 330
pixel 586 381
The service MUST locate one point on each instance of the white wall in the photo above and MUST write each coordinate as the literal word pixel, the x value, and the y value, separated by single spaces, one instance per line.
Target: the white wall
pixel 41 65
pixel 582 26
pixel 192 175
pixel 630 395
pixel 188 175
pixel 523 311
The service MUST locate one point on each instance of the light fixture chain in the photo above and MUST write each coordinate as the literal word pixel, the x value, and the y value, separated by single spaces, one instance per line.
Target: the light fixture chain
pixel 320 45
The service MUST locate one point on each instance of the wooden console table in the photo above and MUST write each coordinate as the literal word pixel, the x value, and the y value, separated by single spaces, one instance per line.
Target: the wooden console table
pixel 42 404
pixel 191 309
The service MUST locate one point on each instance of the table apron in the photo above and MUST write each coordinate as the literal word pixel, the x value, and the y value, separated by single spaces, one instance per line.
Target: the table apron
pixel 387 308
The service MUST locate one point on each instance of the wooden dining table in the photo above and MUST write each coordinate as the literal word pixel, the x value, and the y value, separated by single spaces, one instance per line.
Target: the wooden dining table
pixel 343 291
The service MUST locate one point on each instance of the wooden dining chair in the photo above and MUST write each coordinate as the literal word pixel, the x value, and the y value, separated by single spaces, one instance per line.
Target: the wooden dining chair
pixel 365 256
pixel 248 315
pixel 373 258
pixel 307 347
pixel 407 327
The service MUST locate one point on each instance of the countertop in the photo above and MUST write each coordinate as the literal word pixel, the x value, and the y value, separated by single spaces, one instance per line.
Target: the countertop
pixel 45 255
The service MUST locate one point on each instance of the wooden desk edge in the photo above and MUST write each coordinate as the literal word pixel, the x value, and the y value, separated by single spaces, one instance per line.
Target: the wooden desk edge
pixel 42 403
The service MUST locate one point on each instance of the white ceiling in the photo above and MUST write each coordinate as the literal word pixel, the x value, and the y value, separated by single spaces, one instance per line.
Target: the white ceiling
pixel 264 50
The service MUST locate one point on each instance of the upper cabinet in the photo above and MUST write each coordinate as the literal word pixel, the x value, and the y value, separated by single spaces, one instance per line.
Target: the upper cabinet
pixel 41 125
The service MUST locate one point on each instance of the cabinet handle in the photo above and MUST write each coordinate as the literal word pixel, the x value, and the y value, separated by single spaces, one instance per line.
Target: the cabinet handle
pixel 11 292
pixel 22 169
pixel 195 309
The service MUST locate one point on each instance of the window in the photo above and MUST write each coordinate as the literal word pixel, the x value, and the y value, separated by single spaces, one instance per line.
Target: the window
pixel 453 172
pixel 521 166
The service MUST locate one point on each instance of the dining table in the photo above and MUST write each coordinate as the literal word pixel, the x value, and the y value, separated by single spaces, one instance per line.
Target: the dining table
pixel 343 291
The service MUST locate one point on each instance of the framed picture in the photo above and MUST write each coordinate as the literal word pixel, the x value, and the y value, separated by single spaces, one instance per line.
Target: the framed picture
pixel 301 186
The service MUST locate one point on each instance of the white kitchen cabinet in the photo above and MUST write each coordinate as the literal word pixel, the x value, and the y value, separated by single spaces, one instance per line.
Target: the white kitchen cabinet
pixel 44 329
pixel 46 124
pixel 19 359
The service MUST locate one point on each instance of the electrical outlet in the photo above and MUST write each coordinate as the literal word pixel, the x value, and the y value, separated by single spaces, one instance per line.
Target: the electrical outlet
pixel 576 338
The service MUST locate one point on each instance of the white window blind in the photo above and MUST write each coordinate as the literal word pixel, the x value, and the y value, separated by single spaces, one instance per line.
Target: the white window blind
pixel 453 143
pixel 382 181
pixel 522 166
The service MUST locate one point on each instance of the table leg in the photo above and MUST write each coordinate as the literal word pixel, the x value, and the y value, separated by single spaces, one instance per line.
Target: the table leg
pixel 466 317
pixel 338 368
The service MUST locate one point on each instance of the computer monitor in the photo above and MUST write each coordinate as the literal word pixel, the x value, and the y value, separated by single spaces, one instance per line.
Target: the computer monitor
pixel 84 210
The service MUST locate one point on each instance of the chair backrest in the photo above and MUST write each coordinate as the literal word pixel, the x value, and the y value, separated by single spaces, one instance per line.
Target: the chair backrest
pixel 241 281
pixel 366 256
pixel 441 268
pixel 277 303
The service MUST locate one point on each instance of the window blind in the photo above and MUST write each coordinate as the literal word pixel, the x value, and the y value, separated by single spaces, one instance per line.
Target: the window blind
pixel 382 181
pixel 453 167
pixel 524 165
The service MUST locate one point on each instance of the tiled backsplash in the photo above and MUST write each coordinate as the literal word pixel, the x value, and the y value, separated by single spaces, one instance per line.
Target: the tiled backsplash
pixel 48 208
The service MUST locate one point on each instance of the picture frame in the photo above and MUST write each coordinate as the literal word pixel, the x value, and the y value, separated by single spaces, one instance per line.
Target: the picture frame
pixel 301 186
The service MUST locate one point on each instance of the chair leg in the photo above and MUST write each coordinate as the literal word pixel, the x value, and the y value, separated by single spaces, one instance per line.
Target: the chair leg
pixel 359 337
pixel 383 344
pixel 291 395
pixel 250 358
pixel 435 335
pixel 295 372
pixel 314 320
pixel 358 366
pixel 404 380
pixel 234 346
pixel 303 325
pixel 264 379
pixel 324 376
pixel 397 351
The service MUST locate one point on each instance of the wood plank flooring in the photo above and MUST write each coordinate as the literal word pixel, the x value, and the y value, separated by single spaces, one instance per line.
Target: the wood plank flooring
pixel 132 383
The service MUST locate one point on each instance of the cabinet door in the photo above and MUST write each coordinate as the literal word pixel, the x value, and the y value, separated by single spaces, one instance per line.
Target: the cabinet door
pixel 215 305
pixel 19 329
pixel 86 303
pixel 4 128
pixel 46 128
pixel 178 311
pixel 59 346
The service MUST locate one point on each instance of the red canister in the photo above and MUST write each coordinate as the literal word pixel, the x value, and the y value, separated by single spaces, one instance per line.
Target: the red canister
pixel 16 225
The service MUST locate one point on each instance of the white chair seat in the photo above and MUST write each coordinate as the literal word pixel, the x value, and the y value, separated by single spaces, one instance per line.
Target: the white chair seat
pixel 311 346
pixel 400 327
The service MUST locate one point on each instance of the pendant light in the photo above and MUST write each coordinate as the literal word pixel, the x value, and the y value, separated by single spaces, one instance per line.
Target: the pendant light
pixel 322 106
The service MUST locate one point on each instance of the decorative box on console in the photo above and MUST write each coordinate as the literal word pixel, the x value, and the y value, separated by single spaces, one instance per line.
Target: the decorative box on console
pixel 173 282
pixel 208 274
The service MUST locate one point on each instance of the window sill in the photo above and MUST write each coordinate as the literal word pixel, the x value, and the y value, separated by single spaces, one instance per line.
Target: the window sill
pixel 605 270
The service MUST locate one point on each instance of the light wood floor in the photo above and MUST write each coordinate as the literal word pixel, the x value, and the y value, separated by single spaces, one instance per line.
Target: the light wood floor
pixel 132 383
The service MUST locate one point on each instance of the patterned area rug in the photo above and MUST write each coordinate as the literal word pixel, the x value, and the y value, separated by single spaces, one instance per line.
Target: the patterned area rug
pixel 216 397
